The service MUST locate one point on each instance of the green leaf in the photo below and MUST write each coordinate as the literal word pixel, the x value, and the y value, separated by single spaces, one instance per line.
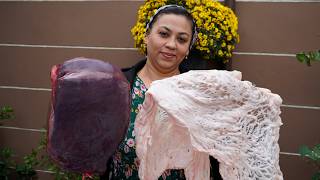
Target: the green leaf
pixel 308 57
pixel 317 56
pixel 316 152
pixel 24 170
pixel 316 176
pixel 6 113
pixel 313 154
pixel 312 55
pixel 301 57
pixel 304 151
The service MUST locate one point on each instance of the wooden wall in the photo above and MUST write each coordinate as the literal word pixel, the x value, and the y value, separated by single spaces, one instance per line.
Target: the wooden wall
pixel 270 34
pixel 35 35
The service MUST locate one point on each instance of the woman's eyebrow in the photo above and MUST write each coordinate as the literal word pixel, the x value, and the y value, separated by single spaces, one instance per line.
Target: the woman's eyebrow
pixel 166 28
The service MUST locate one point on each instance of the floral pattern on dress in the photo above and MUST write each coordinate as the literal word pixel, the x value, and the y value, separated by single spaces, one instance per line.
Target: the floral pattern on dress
pixel 125 163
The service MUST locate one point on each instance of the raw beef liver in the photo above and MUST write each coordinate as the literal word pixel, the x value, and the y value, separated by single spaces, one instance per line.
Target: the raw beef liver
pixel 89 116
pixel 188 117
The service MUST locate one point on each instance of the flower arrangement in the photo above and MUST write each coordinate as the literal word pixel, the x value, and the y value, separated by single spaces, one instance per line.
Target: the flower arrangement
pixel 217 26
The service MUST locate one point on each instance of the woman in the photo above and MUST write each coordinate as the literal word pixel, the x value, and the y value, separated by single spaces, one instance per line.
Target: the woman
pixel 170 35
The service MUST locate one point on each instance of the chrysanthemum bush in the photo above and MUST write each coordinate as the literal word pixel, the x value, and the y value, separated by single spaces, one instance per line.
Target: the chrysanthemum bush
pixel 217 26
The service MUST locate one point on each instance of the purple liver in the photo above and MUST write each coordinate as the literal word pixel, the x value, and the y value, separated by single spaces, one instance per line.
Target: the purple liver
pixel 89 116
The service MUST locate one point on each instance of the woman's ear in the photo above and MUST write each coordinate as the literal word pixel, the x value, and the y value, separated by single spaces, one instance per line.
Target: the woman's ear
pixel 187 54
pixel 145 42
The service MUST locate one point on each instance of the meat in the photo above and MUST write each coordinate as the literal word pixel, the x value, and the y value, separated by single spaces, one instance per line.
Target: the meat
pixel 188 117
pixel 89 116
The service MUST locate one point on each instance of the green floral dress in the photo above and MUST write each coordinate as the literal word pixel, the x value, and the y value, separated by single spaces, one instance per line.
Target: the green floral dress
pixel 125 163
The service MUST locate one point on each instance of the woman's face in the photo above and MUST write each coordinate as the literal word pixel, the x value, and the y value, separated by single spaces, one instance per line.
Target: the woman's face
pixel 168 42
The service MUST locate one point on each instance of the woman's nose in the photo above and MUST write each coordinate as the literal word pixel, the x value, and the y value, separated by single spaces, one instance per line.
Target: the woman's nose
pixel 171 43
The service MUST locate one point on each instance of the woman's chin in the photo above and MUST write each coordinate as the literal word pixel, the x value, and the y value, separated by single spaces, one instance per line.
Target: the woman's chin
pixel 168 66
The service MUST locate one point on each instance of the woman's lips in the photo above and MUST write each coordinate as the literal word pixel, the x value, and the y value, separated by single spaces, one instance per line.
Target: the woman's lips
pixel 168 55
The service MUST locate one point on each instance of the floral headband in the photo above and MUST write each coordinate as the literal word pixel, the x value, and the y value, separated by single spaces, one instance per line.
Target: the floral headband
pixel 194 33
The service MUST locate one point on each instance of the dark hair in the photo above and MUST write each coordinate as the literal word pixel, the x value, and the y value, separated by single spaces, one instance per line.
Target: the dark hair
pixel 177 10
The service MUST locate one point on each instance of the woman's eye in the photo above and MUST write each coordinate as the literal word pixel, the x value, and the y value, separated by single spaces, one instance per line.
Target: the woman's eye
pixel 163 34
pixel 182 40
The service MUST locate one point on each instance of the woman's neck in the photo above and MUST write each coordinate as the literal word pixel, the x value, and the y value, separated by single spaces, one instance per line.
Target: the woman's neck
pixel 148 74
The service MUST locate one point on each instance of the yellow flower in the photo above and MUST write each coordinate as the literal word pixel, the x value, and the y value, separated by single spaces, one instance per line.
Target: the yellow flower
pixel 229 37
pixel 204 42
pixel 211 42
pixel 218 35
